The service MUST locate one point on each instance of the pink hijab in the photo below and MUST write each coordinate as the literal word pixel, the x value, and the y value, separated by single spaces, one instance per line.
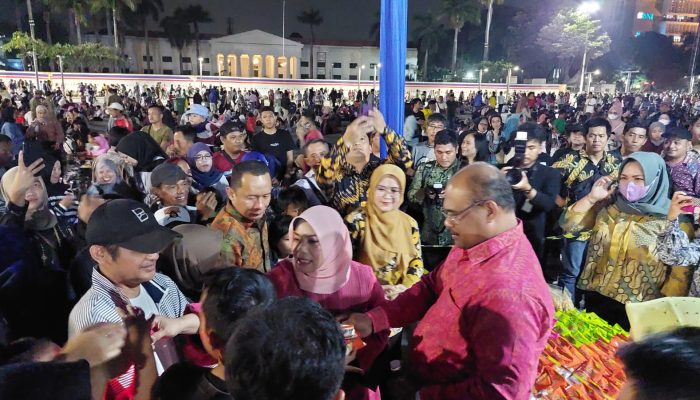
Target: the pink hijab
pixel 336 248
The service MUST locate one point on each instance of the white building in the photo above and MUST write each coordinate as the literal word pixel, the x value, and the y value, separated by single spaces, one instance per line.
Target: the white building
pixel 253 54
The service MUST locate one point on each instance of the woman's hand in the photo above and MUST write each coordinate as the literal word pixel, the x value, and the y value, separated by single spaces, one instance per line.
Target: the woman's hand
pixel 601 190
pixel 678 201
pixel 24 179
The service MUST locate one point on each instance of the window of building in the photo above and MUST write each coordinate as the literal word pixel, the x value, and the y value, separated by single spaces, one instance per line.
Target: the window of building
pixel 105 70
pixel 321 77
pixel 147 58
pixel 321 64
pixel 168 71
pixel 371 77
pixel 187 72
pixel 147 71
pixel 352 77
pixel 186 59
pixel 372 65
pixel 304 64
pixel 206 60
pixel 337 77
pixel 304 76
pixel 353 65
pixel 337 65
pixel 676 39
pixel 206 73
pixel 167 59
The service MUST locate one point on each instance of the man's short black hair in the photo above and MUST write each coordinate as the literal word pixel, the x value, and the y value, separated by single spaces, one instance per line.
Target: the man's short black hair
pixel 158 107
pixel 414 101
pixel 252 167
pixel 534 131
pixel 292 349
pixel 492 187
pixel 309 114
pixel 314 141
pixel 436 117
pixel 116 134
pixel 597 122
pixel 187 131
pixel 292 195
pixel 635 124
pixel 665 366
pixel 230 293
pixel 266 108
pixel 446 136
pixel 5 139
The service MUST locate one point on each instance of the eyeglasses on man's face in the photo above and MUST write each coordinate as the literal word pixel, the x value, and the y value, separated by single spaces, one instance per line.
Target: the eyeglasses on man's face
pixel 454 217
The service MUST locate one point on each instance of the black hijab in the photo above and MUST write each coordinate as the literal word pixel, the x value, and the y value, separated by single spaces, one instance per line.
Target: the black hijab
pixel 143 148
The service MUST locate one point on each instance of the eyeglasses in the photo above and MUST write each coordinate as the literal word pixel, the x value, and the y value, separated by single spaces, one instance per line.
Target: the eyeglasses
pixel 318 155
pixel 456 217
pixel 203 157
pixel 436 126
pixel 392 192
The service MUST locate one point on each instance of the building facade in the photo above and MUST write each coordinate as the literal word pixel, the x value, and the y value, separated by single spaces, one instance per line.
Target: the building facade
pixel 674 18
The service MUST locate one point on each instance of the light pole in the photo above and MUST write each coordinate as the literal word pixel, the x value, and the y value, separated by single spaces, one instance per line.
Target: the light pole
pixel 587 7
pixel 284 58
pixel 481 75
pixel 590 78
pixel 60 66
pixel 374 82
pixel 628 81
pixel 510 70
pixel 359 75
pixel 31 31
pixel 201 82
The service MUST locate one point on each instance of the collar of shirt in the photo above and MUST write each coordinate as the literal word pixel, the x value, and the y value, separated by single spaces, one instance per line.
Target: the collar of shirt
pixel 102 285
pixel 231 210
pixel 484 250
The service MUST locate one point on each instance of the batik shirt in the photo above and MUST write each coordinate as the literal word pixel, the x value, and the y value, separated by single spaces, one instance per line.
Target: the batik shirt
pixel 346 188
pixel 686 174
pixel 674 248
pixel 245 242
pixel 579 173
pixel 427 175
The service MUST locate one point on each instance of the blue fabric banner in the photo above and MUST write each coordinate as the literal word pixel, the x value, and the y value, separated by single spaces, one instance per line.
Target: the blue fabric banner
pixel 392 55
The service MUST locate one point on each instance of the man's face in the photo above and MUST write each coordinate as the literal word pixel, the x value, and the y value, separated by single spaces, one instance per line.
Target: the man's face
pixel 360 148
pixel 465 221
pixel 195 119
pixel 634 139
pixel 173 194
pixel 268 119
pixel 154 115
pixel 129 268
pixel 664 108
pixel 533 148
pixel 432 107
pixel 252 197
pixel 182 145
pixel 5 153
pixel 577 140
pixel 596 140
pixel 445 154
pixel 314 153
pixel 676 148
pixel 417 106
pixel 114 112
pixel 432 129
pixel 234 142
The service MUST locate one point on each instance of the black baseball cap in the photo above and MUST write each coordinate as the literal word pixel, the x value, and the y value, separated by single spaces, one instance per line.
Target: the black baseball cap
pixel 677 132
pixel 167 174
pixel 128 224
pixel 231 126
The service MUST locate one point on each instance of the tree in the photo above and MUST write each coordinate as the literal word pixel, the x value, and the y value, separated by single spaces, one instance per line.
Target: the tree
pixel 146 9
pixel 375 29
pixel 571 34
pixel 489 15
pixel 116 7
pixel 311 18
pixel 177 29
pixel 22 44
pixel 457 13
pixel 196 15
pixel 429 32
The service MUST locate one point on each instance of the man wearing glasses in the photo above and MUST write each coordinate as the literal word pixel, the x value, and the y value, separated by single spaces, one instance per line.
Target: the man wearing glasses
pixel 425 151
pixel 485 314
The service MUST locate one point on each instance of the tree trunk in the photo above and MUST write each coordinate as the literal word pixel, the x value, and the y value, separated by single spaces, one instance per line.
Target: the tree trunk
pixel 148 46
pixel 454 52
pixel 109 26
pixel 47 24
pixel 196 46
pixel 77 27
pixel 311 55
pixel 181 69
pixel 488 31
pixel 18 17
pixel 114 21
pixel 425 66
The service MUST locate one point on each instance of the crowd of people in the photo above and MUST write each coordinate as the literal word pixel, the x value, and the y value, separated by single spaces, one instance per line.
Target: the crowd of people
pixel 209 243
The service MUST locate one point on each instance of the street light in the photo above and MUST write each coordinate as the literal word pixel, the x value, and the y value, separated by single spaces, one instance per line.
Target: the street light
pixel 30 14
pixel 481 75
pixel 60 66
pixel 201 82
pixel 469 75
pixel 374 81
pixel 587 7
pixel 590 78
pixel 510 70
pixel 359 75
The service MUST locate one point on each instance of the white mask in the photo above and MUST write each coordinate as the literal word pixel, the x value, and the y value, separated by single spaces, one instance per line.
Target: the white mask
pixel 613 116
pixel 664 121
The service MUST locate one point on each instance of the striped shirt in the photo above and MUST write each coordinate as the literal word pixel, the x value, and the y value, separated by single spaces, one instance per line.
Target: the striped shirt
pixel 100 302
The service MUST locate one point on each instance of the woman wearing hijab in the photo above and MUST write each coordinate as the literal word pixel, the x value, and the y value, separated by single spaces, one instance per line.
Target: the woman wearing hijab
pixel 140 151
pixel 204 175
pixel 655 143
pixel 622 264
pixel 322 269
pixel 384 237
pixel 34 296
pixel 189 259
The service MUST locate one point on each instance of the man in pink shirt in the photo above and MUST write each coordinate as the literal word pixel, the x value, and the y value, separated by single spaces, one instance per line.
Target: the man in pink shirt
pixel 485 314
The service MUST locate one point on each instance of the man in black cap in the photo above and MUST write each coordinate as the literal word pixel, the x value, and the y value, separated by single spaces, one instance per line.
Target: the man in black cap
pixel 171 185
pixel 124 239
pixel 682 164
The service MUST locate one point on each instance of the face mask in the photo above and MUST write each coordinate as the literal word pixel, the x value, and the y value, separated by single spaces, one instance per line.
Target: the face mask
pixel 633 192
pixel 613 116
pixel 664 122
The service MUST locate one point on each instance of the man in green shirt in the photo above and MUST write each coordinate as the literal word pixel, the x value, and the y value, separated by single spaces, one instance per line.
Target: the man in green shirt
pixel 160 132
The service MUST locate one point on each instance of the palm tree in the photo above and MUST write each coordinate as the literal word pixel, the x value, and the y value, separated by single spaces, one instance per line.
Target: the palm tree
pixel 115 6
pixel 375 30
pixel 196 15
pixel 311 18
pixel 177 29
pixel 489 5
pixel 457 13
pixel 429 33
pixel 146 9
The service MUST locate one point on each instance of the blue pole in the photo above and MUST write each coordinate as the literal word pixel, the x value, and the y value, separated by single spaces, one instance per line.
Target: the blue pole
pixel 392 55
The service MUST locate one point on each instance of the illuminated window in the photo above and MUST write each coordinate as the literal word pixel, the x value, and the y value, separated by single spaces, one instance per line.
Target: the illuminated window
pixel 676 39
